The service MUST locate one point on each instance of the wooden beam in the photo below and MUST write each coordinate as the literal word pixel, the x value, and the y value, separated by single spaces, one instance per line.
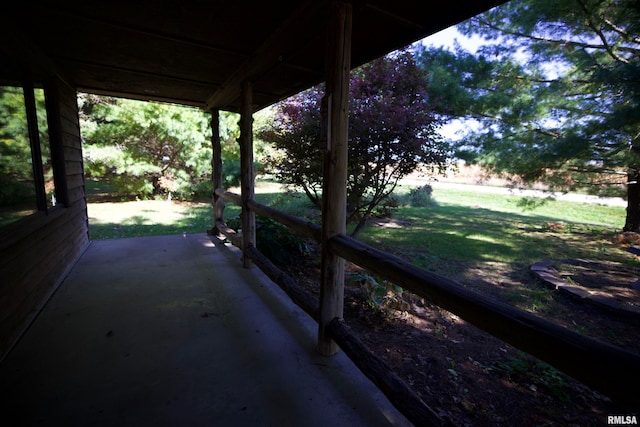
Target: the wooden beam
pixel 229 233
pixel 71 16
pixel 54 122
pixel 216 169
pixel 300 226
pixel 272 52
pixel 247 177
pixel 334 187
pixel 609 370
pixel 298 295
pixel 129 71
pixel 405 399
pixel 230 197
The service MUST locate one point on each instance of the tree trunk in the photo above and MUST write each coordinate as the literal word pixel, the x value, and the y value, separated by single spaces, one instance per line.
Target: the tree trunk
pixel 632 222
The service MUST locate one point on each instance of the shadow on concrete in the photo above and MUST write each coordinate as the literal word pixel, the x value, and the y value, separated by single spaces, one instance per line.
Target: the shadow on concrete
pixel 171 331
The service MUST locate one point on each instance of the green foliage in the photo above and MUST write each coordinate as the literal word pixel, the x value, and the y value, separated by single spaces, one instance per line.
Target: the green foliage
pixel 16 169
pixel 420 197
pixel 278 242
pixel 527 370
pixel 15 151
pixel 275 240
pixel 391 133
pixel 380 293
pixel 146 149
pixel 555 91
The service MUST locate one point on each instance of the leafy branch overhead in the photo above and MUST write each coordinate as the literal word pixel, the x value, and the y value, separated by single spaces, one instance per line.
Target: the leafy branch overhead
pixel 555 91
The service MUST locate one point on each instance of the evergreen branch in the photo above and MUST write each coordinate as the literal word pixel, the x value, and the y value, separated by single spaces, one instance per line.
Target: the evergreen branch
pixel 600 34
pixel 562 42
pixel 621 31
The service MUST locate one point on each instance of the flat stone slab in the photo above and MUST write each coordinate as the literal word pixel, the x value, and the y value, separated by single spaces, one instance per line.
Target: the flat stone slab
pixel 547 273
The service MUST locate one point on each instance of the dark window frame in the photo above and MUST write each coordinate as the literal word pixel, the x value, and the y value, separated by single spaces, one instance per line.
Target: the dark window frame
pixel 55 143
pixel 34 140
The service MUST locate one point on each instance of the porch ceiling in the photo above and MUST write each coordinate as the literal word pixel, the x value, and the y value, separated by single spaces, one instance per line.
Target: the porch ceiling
pixel 198 52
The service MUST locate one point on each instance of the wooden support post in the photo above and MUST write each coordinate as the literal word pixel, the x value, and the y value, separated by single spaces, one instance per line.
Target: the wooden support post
pixel 216 167
pixel 36 149
pixel 334 187
pixel 246 172
pixel 54 122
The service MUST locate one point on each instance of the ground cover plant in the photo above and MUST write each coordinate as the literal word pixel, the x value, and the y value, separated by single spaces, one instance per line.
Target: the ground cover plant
pixel 484 242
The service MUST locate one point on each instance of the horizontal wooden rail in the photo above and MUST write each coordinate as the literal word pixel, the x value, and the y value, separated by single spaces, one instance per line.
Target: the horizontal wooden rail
pixel 606 368
pixel 609 370
pixel 229 196
pixel 304 300
pixel 398 392
pixel 306 228
pixel 405 399
pixel 298 295
pixel 229 233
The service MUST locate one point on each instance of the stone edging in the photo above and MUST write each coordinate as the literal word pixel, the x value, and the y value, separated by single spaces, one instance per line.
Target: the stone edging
pixel 550 277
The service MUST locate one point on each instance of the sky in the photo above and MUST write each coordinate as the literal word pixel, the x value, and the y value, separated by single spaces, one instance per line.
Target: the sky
pixel 447 37
pixel 453 130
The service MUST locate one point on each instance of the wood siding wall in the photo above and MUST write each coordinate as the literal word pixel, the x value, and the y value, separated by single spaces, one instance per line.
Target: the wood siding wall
pixel 38 251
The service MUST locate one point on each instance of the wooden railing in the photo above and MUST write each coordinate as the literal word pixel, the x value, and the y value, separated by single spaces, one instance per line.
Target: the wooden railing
pixel 609 370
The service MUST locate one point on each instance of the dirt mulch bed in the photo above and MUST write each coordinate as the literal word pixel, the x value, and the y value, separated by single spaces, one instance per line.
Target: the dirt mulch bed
pixel 468 376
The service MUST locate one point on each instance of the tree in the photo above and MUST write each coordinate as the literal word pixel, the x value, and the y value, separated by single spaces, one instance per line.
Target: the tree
pixel 16 173
pixel 17 187
pixel 147 148
pixel 557 95
pixel 391 133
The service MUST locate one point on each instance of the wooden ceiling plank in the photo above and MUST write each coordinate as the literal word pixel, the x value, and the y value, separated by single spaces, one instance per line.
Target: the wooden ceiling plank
pixel 124 70
pixel 147 32
pixel 268 55
pixel 401 19
pixel 280 48
pixel 139 97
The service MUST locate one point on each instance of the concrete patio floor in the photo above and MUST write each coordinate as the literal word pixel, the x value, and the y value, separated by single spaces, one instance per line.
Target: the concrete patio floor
pixel 172 331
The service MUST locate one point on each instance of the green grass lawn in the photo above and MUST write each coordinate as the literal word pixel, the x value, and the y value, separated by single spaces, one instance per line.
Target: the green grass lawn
pixel 467 226
pixel 111 220
pixel 469 237
pixel 552 210
pixel 459 225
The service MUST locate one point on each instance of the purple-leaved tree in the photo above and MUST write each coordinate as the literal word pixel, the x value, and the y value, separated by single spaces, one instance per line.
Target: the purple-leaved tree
pixel 392 132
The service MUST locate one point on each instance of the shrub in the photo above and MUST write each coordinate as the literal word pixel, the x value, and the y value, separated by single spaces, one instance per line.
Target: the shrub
pixel 275 240
pixel 420 197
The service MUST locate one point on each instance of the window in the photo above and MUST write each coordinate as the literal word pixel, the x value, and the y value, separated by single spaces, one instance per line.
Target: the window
pixel 26 174
pixel 45 148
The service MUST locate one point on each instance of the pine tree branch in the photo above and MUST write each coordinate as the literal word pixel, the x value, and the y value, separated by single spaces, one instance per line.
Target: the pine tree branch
pixel 562 42
pixel 621 31
pixel 600 34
